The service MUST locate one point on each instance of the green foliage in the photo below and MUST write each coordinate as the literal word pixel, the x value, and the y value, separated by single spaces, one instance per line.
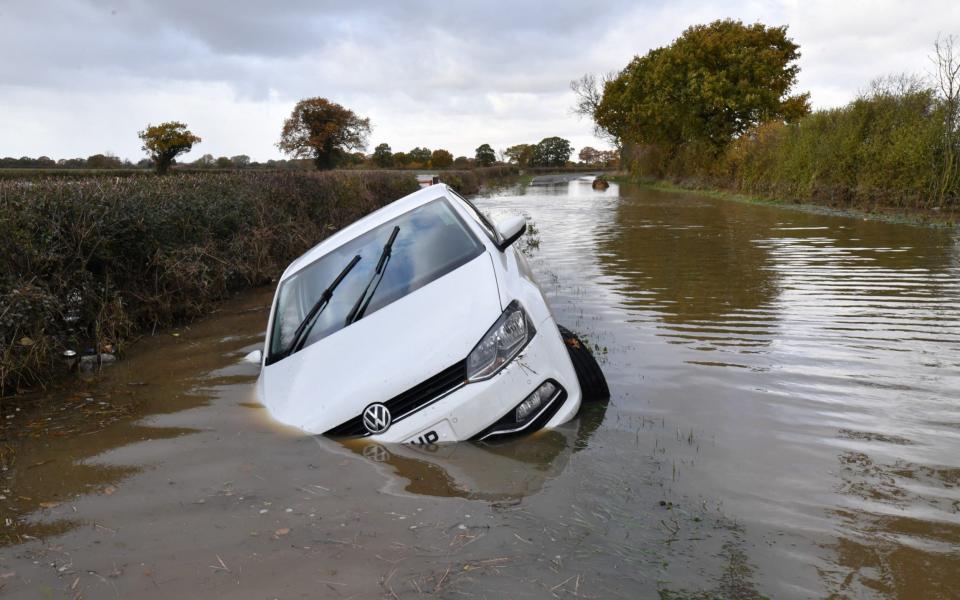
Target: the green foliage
pixel 441 159
pixel 99 260
pixel 420 155
pixel 165 142
pixel 323 131
pixel 710 85
pixel 383 156
pixel 881 150
pixel 401 159
pixel 713 109
pixel 521 154
pixel 485 156
pixel 551 152
pixel 104 161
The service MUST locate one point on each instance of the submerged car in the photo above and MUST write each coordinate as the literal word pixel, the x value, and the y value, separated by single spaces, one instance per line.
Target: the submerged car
pixel 420 323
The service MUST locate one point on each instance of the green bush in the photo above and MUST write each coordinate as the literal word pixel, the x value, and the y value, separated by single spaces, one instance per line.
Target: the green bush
pixel 882 151
pixel 99 260
pixel 879 151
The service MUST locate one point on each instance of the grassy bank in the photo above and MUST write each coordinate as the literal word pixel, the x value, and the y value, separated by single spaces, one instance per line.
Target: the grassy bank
pixel 892 152
pixel 98 261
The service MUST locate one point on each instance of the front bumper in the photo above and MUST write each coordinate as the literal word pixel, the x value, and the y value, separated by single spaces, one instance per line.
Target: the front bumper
pixel 472 408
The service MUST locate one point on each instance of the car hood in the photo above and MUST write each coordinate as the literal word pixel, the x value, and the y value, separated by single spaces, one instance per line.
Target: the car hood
pixel 385 353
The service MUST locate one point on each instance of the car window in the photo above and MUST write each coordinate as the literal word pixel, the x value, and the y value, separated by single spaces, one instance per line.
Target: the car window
pixel 480 218
pixel 433 240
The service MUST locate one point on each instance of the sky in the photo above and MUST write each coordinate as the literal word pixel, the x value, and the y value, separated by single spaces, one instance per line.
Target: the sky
pixel 81 77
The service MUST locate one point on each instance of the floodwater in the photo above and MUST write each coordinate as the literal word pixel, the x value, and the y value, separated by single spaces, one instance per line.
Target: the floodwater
pixel 784 423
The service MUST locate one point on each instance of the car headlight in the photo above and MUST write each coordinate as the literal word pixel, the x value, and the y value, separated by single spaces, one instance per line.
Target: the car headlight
pixel 501 343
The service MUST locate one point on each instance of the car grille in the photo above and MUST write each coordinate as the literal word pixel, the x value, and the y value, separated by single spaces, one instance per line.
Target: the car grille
pixel 416 398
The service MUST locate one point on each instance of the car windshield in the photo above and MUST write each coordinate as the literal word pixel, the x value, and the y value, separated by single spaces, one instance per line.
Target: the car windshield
pixel 432 241
pixel 482 220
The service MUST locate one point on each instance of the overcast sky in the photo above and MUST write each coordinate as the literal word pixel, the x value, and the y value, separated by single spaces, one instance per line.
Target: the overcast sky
pixel 80 77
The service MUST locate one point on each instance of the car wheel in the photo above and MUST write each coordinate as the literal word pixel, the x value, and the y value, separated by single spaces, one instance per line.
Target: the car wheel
pixel 592 382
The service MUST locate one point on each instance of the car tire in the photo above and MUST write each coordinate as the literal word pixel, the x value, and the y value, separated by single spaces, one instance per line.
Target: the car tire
pixel 593 384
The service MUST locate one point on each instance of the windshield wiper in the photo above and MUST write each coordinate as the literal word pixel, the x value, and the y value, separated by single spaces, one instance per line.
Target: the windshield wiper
pixel 303 329
pixel 360 307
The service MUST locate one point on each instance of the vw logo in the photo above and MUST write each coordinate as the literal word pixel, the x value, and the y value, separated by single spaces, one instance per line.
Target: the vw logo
pixel 376 453
pixel 376 418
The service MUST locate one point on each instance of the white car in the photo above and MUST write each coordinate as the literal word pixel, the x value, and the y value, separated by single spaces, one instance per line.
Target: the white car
pixel 419 323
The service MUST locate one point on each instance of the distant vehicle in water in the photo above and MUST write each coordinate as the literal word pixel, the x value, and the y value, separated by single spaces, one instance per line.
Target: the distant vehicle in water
pixel 420 323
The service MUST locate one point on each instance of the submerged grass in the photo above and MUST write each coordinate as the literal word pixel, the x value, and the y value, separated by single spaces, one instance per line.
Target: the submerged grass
pixel 927 218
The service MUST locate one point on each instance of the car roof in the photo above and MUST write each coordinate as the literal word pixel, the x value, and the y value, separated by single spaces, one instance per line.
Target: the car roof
pixel 366 223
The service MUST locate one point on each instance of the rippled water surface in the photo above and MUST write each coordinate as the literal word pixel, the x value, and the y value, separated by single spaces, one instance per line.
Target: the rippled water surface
pixel 810 363
pixel 784 422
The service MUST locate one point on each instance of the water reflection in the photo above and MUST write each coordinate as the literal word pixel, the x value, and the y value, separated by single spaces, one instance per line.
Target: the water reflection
pixel 696 265
pixel 503 472
pixel 818 357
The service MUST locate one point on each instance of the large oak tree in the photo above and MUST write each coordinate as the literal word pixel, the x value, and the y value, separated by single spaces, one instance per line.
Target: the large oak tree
pixel 323 131
pixel 166 141
pixel 709 86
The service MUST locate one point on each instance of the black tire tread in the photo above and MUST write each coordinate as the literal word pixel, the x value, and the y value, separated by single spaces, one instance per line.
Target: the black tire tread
pixel 593 384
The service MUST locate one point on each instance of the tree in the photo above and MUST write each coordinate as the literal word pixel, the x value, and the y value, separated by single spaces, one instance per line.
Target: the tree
pixel 323 131
pixel 710 85
pixel 608 158
pixel 101 161
pixel 383 156
pixel 589 92
pixel 520 154
pixel 240 161
pixel 485 155
pixel 353 159
pixel 223 162
pixel 947 79
pixel 551 152
pixel 441 159
pixel 420 155
pixel 401 159
pixel 204 162
pixel 166 141
pixel 590 156
pixel 461 162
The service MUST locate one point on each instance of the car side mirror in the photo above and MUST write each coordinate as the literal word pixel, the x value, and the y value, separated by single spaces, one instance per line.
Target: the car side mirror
pixel 255 357
pixel 510 230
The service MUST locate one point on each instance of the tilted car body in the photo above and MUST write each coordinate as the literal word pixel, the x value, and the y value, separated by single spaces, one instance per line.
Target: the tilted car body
pixel 419 323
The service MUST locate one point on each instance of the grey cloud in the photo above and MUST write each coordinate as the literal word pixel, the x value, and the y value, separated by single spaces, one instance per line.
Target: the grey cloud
pixel 417 68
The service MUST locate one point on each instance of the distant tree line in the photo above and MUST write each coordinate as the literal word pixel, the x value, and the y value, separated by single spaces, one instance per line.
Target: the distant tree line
pixel 96 161
pixel 324 135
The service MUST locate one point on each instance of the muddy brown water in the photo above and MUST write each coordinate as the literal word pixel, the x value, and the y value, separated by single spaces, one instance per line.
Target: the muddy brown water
pixel 784 422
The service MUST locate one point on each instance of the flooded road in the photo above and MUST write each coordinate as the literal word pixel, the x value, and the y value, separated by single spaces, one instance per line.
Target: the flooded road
pixel 784 422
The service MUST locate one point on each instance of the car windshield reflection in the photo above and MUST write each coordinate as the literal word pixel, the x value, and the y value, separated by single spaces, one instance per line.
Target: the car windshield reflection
pixel 432 241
